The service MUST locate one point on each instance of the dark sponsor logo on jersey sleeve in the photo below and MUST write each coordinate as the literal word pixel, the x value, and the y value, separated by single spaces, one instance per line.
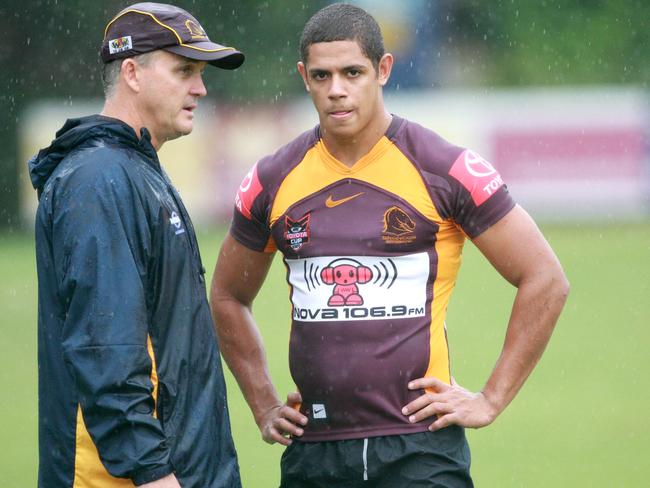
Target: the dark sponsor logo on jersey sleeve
pixel 248 191
pixel 477 175
pixel 296 232
pixel 399 227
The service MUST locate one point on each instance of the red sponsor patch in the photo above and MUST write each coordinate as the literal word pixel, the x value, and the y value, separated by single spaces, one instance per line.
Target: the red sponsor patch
pixel 477 175
pixel 248 190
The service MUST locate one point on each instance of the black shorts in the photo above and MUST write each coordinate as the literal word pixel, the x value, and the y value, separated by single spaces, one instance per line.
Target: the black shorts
pixel 425 459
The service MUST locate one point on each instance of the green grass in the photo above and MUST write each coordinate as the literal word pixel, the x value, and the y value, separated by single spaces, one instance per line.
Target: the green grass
pixel 580 420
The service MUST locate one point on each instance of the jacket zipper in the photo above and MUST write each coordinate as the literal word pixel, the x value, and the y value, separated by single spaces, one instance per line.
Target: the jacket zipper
pixel 194 246
pixel 188 225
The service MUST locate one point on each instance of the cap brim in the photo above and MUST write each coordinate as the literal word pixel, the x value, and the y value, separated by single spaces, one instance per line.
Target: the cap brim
pixel 214 54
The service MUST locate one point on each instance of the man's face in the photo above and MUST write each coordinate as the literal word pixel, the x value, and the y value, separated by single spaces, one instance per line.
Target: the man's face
pixel 344 86
pixel 170 87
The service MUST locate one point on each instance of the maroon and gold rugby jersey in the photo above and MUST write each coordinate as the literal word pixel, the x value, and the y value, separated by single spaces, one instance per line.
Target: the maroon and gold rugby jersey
pixel 372 254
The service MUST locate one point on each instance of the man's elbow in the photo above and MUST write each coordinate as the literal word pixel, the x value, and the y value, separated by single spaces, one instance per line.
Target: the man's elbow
pixel 219 304
pixel 550 284
pixel 226 305
pixel 560 286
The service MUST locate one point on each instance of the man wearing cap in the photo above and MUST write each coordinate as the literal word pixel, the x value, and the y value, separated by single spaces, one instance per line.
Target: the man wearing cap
pixel 131 390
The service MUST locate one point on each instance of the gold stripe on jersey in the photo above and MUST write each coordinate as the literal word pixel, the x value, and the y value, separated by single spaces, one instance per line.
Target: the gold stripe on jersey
pixel 89 472
pixel 449 245
pixel 390 170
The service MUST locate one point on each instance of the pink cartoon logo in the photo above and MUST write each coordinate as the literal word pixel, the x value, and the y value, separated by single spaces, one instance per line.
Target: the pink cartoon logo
pixel 345 275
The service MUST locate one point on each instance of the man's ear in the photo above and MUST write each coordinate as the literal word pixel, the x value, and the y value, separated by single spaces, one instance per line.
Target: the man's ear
pixel 384 68
pixel 130 73
pixel 303 73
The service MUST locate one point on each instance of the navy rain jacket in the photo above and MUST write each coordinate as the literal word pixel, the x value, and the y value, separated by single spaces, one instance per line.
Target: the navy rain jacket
pixel 130 380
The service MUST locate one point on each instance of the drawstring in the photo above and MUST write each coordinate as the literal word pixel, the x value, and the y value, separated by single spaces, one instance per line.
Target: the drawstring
pixel 365 460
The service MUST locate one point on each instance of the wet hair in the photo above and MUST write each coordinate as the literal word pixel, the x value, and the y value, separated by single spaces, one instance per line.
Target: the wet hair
pixel 111 71
pixel 343 22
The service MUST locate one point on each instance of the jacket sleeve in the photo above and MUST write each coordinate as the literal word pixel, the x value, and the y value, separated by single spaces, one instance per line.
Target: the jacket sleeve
pixel 101 236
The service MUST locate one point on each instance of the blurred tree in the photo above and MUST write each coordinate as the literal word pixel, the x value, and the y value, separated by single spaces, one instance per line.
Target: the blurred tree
pixel 554 42
pixel 50 49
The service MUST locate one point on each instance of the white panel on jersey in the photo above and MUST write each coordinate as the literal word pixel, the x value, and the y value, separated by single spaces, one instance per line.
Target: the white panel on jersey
pixel 348 288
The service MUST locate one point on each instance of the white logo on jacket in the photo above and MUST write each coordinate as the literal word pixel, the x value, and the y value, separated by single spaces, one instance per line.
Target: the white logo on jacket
pixel 175 220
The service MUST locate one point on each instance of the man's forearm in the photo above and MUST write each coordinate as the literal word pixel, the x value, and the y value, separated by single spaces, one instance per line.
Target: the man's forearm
pixel 243 349
pixel 535 311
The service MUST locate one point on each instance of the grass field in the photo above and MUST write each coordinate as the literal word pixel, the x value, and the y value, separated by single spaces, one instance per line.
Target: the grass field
pixel 580 421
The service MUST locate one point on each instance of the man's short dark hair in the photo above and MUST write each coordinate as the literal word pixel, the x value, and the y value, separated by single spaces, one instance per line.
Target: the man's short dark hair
pixel 343 22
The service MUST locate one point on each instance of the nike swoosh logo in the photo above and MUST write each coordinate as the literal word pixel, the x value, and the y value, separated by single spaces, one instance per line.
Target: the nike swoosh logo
pixel 331 203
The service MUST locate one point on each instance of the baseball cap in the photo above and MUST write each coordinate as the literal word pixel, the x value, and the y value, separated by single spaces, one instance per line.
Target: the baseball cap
pixel 145 27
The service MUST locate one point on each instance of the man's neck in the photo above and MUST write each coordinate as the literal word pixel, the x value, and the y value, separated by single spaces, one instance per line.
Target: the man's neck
pixel 128 114
pixel 349 150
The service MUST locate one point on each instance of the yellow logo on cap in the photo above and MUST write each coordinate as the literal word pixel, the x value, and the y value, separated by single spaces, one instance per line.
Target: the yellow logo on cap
pixel 196 31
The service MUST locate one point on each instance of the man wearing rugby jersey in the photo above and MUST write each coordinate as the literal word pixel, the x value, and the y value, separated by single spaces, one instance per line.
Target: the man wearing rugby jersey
pixel 370 212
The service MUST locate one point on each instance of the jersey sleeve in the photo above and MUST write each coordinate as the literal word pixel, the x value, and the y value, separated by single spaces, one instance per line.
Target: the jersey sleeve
pixel 479 196
pixel 250 223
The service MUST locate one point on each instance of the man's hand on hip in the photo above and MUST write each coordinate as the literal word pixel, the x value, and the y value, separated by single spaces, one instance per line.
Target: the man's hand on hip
pixel 451 404
pixel 282 421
